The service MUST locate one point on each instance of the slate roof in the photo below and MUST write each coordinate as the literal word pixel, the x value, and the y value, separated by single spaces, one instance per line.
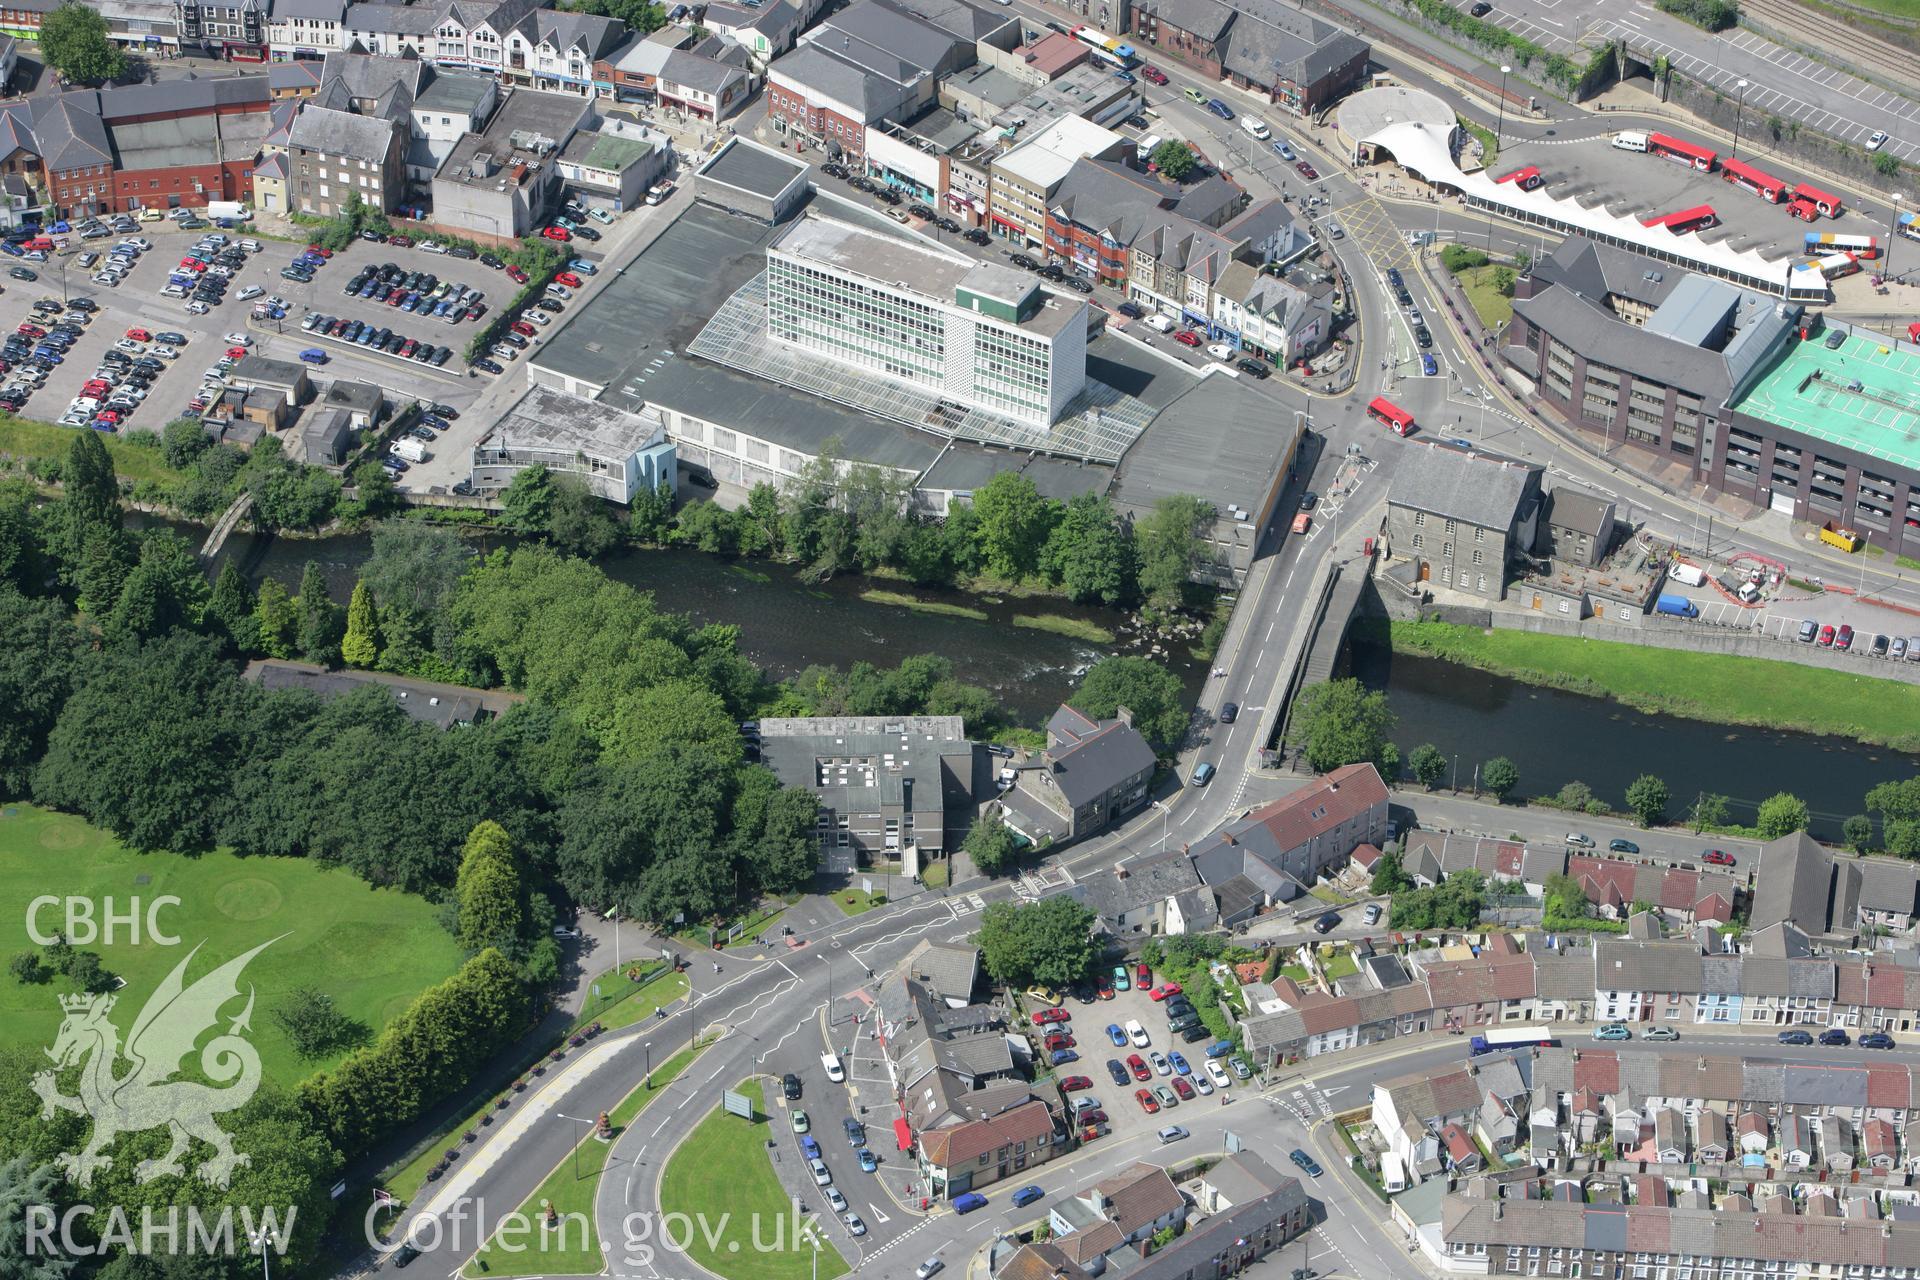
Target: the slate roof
pixel 1463 486
pixel 396 19
pixel 700 73
pixel 1271 44
pixel 341 133
pixel 914 42
pixel 948 970
pixel 1274 829
pixel 1797 887
pixel 1137 1195
pixel 1584 325
pixel 70 132
pixel 819 71
pixel 1152 878
pixel 1096 757
pixel 1204 19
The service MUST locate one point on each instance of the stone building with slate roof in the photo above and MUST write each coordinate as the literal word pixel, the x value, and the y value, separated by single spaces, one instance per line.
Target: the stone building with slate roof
pixel 1464 518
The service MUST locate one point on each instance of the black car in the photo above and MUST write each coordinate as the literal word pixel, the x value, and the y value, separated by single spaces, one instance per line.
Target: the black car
pixel 1422 337
pixel 586 233
pixel 1258 368
pixel 405 1254
pixel 978 236
pixel 22 273
pixel 84 304
pixel 549 305
pixel 441 355
pixel 887 194
pixel 1327 923
pixel 1480 9
pixel 1052 271
pixel 1185 1022
pixel 1195 1034
pixel 488 260
pixel 373 236
pixel 1834 1036
pixel 461 251
pixel 1117 1071
pixel 446 411
pixel 488 365
pixel 1229 713
pixel 921 211
pixel 1794 1037
pixel 948 225
pixel 1078 285
pixel 790 1085
pixel 834 170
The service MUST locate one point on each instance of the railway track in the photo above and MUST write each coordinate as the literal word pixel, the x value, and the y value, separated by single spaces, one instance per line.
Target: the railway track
pixel 1882 59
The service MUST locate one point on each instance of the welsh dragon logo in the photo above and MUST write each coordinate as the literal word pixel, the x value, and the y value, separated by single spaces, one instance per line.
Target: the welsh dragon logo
pixel 146 1096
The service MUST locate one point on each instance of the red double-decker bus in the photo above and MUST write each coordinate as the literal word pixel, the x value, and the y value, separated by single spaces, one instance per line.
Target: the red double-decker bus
pixel 1390 415
pixel 1687 153
pixel 1758 181
pixel 1526 179
pixel 1827 203
pixel 1698 218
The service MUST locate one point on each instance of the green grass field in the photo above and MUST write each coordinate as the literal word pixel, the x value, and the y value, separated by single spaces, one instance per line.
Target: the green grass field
pixel 23 438
pixel 1493 307
pixel 573 1248
pixel 721 1172
pixel 1701 686
pixel 372 950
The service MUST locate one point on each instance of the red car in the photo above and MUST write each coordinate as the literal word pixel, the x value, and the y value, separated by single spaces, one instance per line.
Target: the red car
pixel 1152 74
pixel 1093 1117
pixel 1141 974
pixel 408 347
pixel 1138 1065
pixel 193 264
pixel 1046 1016
pixel 97 388
pixel 405 242
pixel 1717 858
pixel 1187 338
pixel 1103 987
pixel 316 249
pixel 1826 636
pixel 236 353
pixel 1058 1040
pixel 1181 1087
pixel 397 297
pixel 31 330
pixel 1074 1084
pixel 557 233
pixel 1146 1100
pixel 108 415
pixel 1844 640
pixel 568 279
pixel 140 335
pixel 516 274
pixel 1162 992
pixel 522 328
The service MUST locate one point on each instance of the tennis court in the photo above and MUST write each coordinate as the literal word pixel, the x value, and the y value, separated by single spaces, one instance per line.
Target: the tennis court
pixel 1864 395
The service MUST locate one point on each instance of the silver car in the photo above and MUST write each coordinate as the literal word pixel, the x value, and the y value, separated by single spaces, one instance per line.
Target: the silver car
pixel 820 1175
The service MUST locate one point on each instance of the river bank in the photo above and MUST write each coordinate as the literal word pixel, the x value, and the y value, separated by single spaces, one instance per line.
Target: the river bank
pixel 1720 689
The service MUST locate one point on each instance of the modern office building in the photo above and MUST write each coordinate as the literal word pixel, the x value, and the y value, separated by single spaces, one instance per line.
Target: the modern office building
pixel 616 453
pixel 1027 178
pixel 975 333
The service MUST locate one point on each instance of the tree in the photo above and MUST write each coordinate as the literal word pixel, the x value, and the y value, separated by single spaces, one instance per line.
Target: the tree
pixel 1175 159
pixel 361 646
pixel 23 539
pixel 89 496
pixel 1857 831
pixel 1014 522
pixel 679 712
pixel 1498 777
pixel 1049 942
pixel 182 441
pixel 1389 875
pixel 147 744
pixel 490 892
pixel 1089 553
pixel 990 845
pixel 783 855
pixel 319 631
pixel 165 590
pixel 74 42
pixel 1171 545
pixel 1648 797
pixel 230 609
pixel 579 521
pixel 650 515
pixel 23 1185
pixel 1709 810
pixel 1145 688
pixel 1898 804
pixel 41 650
pixel 313 1025
pixel 1780 814
pixel 288 494
pixel 373 489
pixel 1341 723
pixel 527 501
pixel 413 573
pixel 276 620
pixel 1574 795
pixel 1429 765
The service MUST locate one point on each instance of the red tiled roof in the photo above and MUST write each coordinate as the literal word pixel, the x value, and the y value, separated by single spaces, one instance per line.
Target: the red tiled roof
pixel 1463 982
pixel 1713 907
pixel 960 1143
pixel 1890 1086
pixel 1366 855
pixel 1599 1070
pixel 1338 797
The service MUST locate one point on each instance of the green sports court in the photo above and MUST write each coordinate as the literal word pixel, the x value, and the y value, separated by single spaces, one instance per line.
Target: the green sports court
pixel 1864 395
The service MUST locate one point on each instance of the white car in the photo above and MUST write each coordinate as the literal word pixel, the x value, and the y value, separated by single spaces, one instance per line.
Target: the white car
pixel 501 351
pixel 250 246
pixel 1878 140
pixel 559 291
pixel 430 246
pixel 1158 1061
pixel 129 392
pixel 128 344
pixel 855 1227
pixel 197 308
pixel 215 375
pixel 536 315
pixel 74 420
pixel 238 340
pixel 820 1175
pixel 1138 1034
pixel 1220 351
pixel 165 353
pixel 835 1199
pixel 1218 1074
pixel 107 279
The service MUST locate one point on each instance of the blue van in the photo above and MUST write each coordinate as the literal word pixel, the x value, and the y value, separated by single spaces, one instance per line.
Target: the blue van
pixel 314 355
pixel 1202 774
pixel 968 1201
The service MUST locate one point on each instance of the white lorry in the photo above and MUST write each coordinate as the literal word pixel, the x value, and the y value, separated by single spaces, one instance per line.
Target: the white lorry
pixel 410 449
pixel 228 209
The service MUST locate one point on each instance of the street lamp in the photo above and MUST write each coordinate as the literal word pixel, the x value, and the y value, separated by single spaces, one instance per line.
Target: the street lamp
pixel 260 1241
pixel 1739 102
pixel 586 1126
pixel 1501 124
pixel 1893 225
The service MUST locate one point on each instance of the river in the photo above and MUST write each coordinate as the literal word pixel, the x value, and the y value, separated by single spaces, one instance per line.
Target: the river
pixel 1558 737
pixel 787 624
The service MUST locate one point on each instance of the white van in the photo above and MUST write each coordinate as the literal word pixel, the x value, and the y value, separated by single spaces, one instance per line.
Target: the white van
pixel 835 1072
pixel 1256 127
pixel 1630 141
pixel 1160 324
pixel 1143 149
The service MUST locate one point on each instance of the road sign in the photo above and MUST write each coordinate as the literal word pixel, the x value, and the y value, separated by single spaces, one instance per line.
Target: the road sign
pixel 737 1104
pixel 596 991
pixel 339 1189
pixel 1233 1142
pixel 866 884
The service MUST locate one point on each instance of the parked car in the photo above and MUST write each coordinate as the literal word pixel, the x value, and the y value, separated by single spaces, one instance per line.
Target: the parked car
pixel 1834 1036
pixel 1659 1033
pixel 1623 846
pixel 1305 1163
pixel 1613 1031
pixel 1876 1040
pixel 1717 858
pixel 1794 1037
